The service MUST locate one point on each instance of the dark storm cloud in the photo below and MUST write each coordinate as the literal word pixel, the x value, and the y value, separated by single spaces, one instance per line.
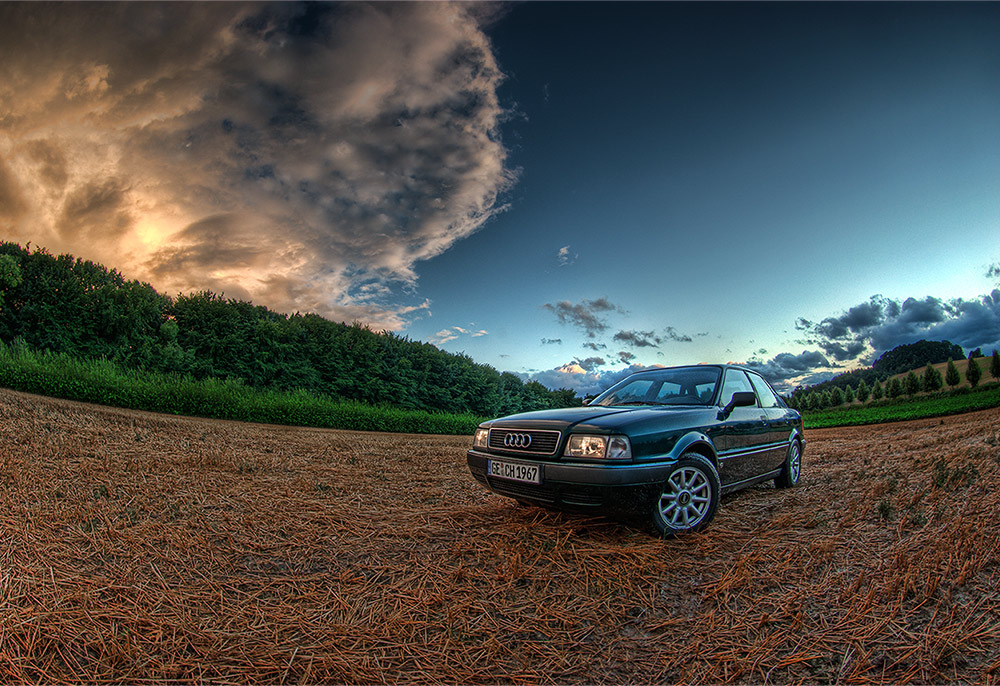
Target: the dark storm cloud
pixel 626 357
pixel 348 141
pixel 786 366
pixel 871 329
pixel 583 315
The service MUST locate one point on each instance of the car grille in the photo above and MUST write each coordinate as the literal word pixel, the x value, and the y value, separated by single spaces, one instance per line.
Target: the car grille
pixel 512 441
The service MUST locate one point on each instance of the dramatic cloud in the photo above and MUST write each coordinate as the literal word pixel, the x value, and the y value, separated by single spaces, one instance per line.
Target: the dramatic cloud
pixel 625 357
pixel 306 156
pixel 870 329
pixel 583 315
pixel 807 367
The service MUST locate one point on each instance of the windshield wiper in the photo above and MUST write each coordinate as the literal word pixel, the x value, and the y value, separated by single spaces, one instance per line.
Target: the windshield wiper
pixel 641 402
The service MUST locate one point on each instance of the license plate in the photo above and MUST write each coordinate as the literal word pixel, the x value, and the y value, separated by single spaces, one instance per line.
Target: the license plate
pixel 528 473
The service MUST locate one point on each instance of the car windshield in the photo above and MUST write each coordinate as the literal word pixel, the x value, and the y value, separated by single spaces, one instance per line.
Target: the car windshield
pixel 673 386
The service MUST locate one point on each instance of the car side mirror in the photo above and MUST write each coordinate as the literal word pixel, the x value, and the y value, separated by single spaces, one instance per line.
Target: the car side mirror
pixel 740 399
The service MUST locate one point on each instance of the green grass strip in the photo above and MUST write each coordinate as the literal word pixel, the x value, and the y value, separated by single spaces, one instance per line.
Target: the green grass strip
pixel 105 383
pixel 921 407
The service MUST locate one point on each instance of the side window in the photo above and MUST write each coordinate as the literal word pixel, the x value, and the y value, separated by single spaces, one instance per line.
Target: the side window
pixel 736 380
pixel 765 395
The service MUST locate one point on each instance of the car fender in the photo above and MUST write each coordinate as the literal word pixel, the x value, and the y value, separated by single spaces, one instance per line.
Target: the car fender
pixel 698 442
pixel 796 435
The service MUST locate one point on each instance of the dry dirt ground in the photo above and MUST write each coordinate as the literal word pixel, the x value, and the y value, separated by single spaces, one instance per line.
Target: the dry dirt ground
pixel 145 548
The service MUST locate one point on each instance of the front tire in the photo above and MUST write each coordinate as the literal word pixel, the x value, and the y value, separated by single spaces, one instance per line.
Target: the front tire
pixel 688 498
pixel 792 469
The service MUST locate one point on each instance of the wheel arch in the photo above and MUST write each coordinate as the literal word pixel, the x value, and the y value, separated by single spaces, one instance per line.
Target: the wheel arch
pixel 696 442
pixel 797 436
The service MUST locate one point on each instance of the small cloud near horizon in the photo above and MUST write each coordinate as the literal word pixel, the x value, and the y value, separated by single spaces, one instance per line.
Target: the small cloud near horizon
pixel 453 333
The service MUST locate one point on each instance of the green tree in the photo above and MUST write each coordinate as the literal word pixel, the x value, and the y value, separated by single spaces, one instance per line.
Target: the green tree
pixel 863 391
pixel 995 365
pixel 951 376
pixel 849 395
pixel 877 391
pixel 836 397
pixel 911 385
pixel 972 372
pixel 10 275
pixel 894 388
pixel 932 379
pixel 565 397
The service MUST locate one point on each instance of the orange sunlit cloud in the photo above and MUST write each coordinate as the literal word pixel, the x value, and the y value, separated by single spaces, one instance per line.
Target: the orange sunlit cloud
pixel 306 165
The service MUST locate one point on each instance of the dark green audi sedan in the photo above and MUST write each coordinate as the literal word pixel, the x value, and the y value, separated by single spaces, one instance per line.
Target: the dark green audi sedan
pixel 664 443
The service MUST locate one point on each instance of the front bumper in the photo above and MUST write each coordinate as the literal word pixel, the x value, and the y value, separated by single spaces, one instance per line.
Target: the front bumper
pixel 618 487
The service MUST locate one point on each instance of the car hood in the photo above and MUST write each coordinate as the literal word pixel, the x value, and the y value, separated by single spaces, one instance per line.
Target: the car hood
pixel 605 419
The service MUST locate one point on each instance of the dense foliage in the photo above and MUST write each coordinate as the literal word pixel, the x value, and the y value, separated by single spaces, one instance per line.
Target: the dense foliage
pixel 104 382
pixel 902 359
pixel 71 306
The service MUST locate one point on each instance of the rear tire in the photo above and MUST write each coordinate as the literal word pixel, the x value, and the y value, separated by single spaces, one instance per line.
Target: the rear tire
pixel 688 498
pixel 792 469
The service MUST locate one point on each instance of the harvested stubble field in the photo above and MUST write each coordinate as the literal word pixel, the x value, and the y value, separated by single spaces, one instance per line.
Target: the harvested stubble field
pixel 144 548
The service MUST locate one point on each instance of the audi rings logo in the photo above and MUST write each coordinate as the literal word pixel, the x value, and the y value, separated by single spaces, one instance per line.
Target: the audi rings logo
pixel 517 441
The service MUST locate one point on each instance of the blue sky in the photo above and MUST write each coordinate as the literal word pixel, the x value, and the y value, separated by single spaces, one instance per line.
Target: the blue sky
pixel 563 190
pixel 729 170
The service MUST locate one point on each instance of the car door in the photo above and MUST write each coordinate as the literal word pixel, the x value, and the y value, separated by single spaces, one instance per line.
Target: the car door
pixel 743 437
pixel 779 423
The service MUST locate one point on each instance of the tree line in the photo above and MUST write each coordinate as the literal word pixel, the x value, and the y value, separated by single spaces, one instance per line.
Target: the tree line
pixel 68 305
pixel 930 380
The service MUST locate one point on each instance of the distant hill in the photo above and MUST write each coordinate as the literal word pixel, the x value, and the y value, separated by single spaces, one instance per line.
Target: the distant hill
pixel 898 362
pixel 961 365
pixel 916 356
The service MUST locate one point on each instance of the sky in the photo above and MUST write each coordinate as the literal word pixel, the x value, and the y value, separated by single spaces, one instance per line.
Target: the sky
pixel 568 191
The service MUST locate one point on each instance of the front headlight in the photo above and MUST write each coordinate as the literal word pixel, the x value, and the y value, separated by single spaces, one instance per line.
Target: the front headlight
pixel 482 439
pixel 609 447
